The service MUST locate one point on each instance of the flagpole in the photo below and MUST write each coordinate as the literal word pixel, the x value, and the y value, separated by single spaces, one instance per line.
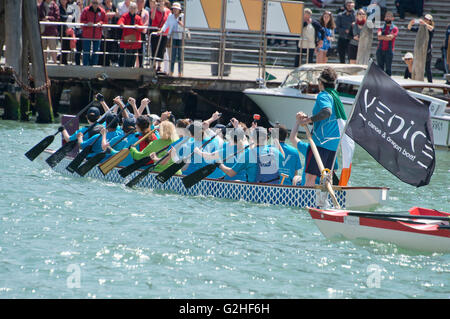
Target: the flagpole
pixel 351 113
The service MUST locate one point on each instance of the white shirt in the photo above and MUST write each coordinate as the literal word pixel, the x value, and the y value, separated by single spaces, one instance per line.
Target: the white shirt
pixel 175 30
pixel 122 8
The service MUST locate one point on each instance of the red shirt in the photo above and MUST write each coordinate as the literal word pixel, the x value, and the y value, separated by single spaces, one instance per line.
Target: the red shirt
pixel 387 30
pixel 89 15
pixel 126 20
pixel 160 18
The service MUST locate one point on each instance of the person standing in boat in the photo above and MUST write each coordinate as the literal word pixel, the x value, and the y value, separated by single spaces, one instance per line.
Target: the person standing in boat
pixel 326 112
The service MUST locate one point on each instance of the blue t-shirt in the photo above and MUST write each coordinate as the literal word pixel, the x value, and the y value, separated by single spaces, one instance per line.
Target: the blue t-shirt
pixel 96 140
pixel 125 143
pixel 326 132
pixel 247 162
pixel 196 161
pixel 227 151
pixel 290 163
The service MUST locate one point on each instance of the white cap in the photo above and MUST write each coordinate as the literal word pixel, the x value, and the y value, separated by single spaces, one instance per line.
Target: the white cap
pixel 408 55
pixel 176 5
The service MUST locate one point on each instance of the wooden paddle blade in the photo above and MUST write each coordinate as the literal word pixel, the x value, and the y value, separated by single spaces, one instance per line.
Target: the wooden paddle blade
pixel 79 159
pixel 140 176
pixel 90 164
pixel 169 172
pixel 124 172
pixel 58 156
pixel 192 179
pixel 39 147
pixel 113 161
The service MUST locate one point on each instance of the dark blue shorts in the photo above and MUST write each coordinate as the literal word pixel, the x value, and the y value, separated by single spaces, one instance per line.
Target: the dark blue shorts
pixel 326 156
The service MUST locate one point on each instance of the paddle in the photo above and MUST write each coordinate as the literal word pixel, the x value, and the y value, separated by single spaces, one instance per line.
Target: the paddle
pixel 124 172
pixel 192 179
pixel 387 215
pixel 97 158
pixel 149 169
pixel 320 165
pixel 172 169
pixel 85 152
pixel 42 145
pixel 115 160
pixel 60 153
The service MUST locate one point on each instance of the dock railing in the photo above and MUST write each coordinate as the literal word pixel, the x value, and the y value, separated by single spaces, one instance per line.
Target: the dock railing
pixel 220 50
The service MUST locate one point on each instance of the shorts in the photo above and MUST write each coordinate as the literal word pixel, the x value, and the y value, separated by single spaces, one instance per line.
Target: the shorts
pixel 50 43
pixel 326 156
pixel 352 51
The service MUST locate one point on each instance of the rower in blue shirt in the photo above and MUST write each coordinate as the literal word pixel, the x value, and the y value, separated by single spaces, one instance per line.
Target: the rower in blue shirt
pixel 291 163
pixel 260 163
pixel 128 126
pixel 107 133
pixel 92 115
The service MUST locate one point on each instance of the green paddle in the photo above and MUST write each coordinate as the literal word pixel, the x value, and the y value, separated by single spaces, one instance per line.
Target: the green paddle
pixel 42 145
pixel 149 169
pixel 192 179
pixel 172 169
pixel 124 172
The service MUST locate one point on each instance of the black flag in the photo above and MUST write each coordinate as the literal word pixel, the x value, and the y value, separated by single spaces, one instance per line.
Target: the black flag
pixel 394 128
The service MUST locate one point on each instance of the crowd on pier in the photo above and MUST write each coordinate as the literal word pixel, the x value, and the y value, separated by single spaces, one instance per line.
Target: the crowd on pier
pixel 340 33
pixel 249 153
pixel 333 34
pixel 154 25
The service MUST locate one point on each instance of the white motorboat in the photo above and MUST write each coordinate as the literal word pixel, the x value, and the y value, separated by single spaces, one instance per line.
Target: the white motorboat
pixel 299 90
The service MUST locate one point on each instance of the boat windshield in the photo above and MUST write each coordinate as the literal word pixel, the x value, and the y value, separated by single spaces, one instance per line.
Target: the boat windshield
pixel 295 78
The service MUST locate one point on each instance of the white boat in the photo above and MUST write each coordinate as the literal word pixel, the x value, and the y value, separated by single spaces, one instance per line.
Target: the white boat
pixel 421 230
pixel 299 91
pixel 285 195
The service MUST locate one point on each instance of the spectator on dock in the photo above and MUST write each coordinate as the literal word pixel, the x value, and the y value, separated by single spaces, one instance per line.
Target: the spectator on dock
pixel 447 50
pixel 109 45
pixel 130 44
pixel 360 4
pixel 408 58
pixel 383 7
pixel 94 16
pixel 328 25
pixel 344 21
pixel 386 37
pixel 354 34
pixel 175 25
pixel 158 41
pixel 77 8
pixel 64 15
pixel 312 31
pixel 145 17
pixel 48 11
pixel 123 7
pixel 428 22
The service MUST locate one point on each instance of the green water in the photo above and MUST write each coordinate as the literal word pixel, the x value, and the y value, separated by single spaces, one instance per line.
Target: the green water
pixel 67 237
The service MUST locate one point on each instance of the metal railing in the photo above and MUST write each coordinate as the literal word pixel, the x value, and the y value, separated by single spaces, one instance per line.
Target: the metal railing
pixel 220 54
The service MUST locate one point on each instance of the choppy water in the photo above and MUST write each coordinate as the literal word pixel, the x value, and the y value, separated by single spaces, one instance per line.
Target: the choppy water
pixel 64 237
